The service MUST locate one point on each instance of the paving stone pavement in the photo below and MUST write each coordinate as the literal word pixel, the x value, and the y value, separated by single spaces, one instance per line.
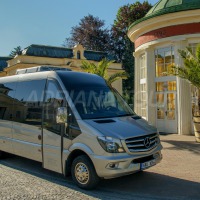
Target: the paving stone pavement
pixel 176 177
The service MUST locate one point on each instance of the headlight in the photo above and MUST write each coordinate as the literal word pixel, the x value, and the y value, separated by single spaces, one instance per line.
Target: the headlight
pixel 111 145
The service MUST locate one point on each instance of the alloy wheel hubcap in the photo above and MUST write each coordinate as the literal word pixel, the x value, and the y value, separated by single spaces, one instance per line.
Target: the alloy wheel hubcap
pixel 82 173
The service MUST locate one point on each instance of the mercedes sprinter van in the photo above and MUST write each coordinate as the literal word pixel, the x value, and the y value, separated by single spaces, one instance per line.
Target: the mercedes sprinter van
pixel 74 122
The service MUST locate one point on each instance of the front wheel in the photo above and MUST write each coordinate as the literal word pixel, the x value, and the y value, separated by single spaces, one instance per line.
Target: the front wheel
pixel 83 173
pixel 1 154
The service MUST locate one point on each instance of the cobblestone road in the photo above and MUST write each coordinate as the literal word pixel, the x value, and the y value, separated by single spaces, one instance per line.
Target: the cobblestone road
pixel 176 177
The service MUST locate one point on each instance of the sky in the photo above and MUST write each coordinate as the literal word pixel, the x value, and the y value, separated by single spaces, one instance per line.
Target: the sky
pixel 49 22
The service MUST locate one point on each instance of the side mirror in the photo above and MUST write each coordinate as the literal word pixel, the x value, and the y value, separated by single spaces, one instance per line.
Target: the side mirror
pixel 61 116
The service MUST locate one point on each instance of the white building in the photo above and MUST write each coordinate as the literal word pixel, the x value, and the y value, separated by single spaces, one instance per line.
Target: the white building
pixel 165 101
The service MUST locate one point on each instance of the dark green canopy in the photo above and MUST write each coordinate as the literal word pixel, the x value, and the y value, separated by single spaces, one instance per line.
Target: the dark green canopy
pixel 169 6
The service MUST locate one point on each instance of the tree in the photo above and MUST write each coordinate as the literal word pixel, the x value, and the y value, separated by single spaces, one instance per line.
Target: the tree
pixel 93 36
pixel 17 51
pixel 191 73
pixel 122 47
pixel 101 69
pixel 191 69
pixel 90 33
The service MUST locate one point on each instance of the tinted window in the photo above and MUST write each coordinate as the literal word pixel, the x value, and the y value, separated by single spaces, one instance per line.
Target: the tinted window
pixel 99 102
pixel 92 97
pixel 7 92
pixel 71 119
pixel 54 98
pixel 28 102
pixel 73 129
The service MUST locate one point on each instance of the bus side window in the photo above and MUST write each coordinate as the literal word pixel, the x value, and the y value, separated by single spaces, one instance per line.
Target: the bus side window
pixel 7 92
pixel 72 119
pixel 73 129
pixel 54 98
pixel 28 102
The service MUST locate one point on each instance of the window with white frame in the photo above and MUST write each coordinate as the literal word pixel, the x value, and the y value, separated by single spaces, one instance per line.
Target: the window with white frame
pixel 143 95
pixel 164 58
pixel 142 67
pixel 143 86
pixel 193 47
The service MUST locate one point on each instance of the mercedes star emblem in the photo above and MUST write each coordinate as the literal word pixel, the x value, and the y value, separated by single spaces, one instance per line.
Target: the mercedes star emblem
pixel 147 142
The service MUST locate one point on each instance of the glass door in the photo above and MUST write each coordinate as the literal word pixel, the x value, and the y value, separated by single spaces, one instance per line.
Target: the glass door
pixel 166 112
pixel 171 106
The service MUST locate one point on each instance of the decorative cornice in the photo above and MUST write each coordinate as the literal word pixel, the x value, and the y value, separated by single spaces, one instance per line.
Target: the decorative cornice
pixel 173 19
pixel 170 31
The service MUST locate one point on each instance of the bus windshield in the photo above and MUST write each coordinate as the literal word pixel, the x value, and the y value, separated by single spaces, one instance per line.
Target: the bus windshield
pixel 99 102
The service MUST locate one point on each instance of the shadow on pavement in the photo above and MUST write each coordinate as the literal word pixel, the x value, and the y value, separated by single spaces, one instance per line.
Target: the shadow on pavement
pixel 156 185
pixel 143 185
pixel 193 147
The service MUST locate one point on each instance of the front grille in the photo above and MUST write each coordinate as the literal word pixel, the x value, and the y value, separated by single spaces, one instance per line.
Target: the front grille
pixel 142 143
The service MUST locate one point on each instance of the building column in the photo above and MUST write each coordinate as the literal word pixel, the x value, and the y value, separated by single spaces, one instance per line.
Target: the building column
pixel 137 85
pixel 184 111
pixel 151 71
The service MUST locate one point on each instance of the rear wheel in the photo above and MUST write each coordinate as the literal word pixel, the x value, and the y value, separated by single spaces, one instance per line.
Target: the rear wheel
pixel 83 173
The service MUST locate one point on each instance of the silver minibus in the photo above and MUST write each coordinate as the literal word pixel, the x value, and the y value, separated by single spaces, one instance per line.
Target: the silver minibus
pixel 74 123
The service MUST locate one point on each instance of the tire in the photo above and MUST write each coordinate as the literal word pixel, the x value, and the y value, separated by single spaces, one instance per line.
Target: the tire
pixel 4 155
pixel 1 154
pixel 84 173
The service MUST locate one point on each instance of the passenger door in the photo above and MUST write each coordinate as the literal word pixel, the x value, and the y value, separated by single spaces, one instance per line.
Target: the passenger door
pixel 27 119
pixel 52 131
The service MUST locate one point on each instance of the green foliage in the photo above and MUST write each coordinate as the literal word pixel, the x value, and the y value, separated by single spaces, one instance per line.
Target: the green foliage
pixel 90 32
pixel 191 69
pixel 93 36
pixel 16 51
pixel 128 14
pixel 190 72
pixel 101 69
pixel 117 76
pixel 122 47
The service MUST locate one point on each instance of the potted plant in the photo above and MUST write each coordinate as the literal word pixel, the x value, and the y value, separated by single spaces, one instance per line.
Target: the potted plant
pixel 191 73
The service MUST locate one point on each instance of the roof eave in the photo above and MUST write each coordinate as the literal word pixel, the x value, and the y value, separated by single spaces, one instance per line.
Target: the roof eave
pixel 164 12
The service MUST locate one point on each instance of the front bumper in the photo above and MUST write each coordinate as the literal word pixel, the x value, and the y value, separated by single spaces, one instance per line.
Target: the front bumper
pixel 123 164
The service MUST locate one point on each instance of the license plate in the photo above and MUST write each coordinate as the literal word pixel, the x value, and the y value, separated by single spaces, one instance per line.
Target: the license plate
pixel 148 164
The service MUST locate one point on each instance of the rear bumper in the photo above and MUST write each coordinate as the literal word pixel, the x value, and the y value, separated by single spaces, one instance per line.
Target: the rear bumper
pixel 120 165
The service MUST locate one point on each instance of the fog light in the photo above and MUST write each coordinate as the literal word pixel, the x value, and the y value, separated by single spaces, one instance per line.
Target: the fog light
pixel 112 165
